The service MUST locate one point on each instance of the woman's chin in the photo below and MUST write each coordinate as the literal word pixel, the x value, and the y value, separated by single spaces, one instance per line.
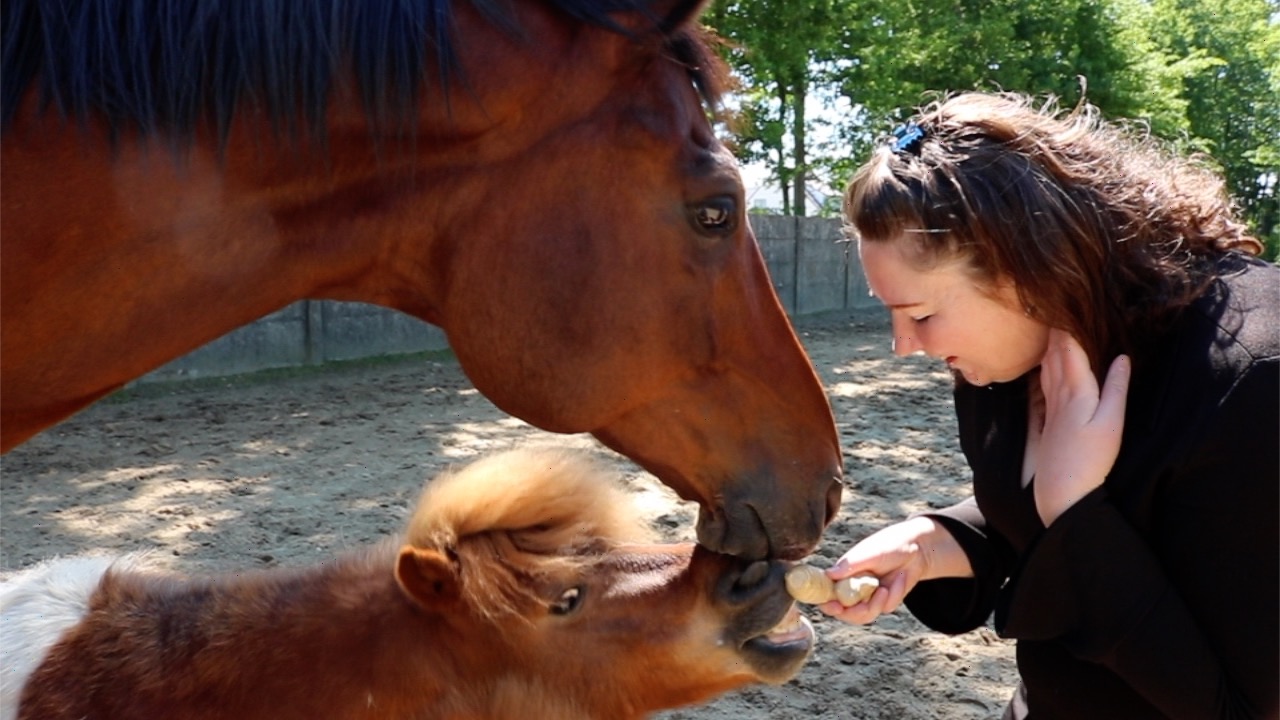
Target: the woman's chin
pixel 970 377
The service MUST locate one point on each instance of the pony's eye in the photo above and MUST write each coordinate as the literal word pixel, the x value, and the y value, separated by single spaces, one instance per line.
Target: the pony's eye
pixel 569 601
pixel 717 216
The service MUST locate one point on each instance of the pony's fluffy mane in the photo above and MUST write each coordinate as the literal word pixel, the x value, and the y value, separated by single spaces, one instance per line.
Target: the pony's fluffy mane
pixel 514 519
pixel 167 67
pixel 554 498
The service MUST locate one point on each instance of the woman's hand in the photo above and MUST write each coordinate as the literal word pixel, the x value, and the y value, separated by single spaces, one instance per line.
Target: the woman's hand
pixel 1079 439
pixel 900 555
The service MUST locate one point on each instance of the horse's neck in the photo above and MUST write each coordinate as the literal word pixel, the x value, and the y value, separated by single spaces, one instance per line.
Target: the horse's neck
pixel 140 256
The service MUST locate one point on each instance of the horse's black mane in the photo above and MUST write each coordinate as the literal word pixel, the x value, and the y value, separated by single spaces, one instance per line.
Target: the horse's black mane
pixel 167 66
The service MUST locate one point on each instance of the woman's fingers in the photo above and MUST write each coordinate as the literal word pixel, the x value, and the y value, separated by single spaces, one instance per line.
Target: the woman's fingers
pixel 1066 376
pixel 1083 425
pixel 1115 394
pixel 886 599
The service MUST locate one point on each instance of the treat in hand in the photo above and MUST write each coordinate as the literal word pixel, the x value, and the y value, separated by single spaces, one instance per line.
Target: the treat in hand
pixel 811 585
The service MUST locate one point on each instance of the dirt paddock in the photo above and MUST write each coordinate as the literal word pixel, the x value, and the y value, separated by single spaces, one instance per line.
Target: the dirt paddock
pixel 288 468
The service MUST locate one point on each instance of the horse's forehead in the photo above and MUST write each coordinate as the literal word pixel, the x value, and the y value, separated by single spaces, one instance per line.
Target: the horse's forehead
pixel 654 103
pixel 569 63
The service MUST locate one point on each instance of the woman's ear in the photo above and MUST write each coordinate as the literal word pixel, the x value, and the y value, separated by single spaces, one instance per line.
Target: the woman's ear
pixel 428 577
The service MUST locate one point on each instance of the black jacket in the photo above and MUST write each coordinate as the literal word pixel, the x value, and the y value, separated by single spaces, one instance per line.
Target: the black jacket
pixel 1158 594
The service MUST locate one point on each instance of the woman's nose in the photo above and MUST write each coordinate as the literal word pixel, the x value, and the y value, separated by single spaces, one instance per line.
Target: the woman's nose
pixel 904 340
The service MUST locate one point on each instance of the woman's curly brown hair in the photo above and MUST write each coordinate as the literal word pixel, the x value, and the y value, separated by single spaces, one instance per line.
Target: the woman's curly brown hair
pixel 1104 231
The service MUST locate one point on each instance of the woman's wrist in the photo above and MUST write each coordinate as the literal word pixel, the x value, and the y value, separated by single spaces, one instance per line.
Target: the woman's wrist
pixel 940 554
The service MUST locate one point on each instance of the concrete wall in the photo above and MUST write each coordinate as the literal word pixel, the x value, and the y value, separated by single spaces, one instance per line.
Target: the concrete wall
pixel 813 270
pixel 309 332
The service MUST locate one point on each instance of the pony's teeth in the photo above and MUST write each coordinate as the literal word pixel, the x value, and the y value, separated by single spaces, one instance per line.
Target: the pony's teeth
pixel 792 626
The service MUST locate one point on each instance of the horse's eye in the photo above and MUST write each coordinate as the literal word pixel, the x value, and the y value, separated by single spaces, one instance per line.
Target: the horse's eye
pixel 717 216
pixel 569 601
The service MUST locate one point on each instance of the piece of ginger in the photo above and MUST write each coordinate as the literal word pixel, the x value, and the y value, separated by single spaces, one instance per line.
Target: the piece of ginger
pixel 811 585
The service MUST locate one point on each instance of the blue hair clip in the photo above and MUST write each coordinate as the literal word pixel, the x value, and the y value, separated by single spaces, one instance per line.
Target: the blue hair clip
pixel 906 138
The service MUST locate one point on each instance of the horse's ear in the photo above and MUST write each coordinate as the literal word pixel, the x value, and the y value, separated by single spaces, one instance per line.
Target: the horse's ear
pixel 429 577
pixel 678 13
pixel 664 15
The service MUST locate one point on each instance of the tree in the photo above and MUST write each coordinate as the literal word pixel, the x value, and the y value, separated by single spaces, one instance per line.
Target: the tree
pixel 899 55
pixel 1205 76
pixel 1233 99
pixel 772 44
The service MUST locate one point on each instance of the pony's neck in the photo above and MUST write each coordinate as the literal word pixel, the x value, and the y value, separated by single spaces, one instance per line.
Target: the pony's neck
pixel 338 640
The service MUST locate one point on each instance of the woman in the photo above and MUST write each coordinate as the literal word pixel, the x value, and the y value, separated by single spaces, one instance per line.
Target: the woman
pixel 1114 342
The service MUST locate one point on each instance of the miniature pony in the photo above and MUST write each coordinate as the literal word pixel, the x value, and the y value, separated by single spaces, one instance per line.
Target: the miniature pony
pixel 517 590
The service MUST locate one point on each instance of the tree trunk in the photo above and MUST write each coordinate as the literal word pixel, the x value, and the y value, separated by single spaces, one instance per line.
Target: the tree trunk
pixel 800 163
pixel 784 182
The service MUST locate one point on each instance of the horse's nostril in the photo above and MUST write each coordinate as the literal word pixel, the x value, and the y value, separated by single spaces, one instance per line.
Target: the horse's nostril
pixel 755 574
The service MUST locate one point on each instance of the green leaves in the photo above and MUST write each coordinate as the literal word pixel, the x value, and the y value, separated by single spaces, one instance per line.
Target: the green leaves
pixel 1231 87
pixel 1204 75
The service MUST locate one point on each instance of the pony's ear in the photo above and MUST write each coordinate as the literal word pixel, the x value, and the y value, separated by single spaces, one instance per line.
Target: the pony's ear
pixel 428 577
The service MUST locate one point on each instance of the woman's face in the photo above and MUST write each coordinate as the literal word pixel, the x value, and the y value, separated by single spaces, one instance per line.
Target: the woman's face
pixel 944 313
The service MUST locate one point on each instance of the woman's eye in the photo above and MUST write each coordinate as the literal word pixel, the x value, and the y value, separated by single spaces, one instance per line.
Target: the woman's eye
pixel 569 601
pixel 921 319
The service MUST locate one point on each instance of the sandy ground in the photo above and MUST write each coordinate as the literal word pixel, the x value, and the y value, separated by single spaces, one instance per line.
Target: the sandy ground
pixel 287 468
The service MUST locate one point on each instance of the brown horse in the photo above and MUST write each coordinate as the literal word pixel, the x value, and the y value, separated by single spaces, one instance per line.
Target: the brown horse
pixel 537 177
pixel 517 592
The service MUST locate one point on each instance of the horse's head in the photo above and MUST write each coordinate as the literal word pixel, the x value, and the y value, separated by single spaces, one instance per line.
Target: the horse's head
pixel 602 275
pixel 538 177
pixel 521 566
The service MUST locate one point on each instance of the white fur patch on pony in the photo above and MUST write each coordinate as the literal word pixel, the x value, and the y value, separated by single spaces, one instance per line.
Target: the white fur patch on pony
pixel 37 606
